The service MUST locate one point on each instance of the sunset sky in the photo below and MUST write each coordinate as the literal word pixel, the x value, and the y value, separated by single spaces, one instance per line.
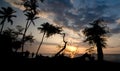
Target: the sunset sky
pixel 73 16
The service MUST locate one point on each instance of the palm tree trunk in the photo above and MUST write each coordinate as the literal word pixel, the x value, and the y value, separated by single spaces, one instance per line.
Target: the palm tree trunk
pixel 2 26
pixel 16 50
pixel 40 44
pixel 23 42
pixel 61 49
pixel 99 53
pixel 64 45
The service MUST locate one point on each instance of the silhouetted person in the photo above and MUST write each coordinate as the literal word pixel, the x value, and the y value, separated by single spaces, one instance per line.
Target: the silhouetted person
pixel 27 54
pixel 32 55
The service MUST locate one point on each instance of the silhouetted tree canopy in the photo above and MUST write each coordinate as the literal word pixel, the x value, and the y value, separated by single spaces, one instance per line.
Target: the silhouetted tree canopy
pixel 96 35
pixel 30 12
pixel 6 14
pixel 48 30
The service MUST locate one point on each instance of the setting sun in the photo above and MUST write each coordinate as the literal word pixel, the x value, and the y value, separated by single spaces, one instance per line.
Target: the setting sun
pixel 71 48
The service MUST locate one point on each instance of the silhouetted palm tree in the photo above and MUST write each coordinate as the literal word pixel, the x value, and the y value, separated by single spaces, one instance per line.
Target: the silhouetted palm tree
pixel 48 30
pixel 65 43
pixel 30 13
pixel 30 19
pixel 29 38
pixel 30 5
pixel 6 14
pixel 96 36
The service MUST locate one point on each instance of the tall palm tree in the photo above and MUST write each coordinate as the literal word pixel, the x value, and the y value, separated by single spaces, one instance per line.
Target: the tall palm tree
pixel 96 35
pixel 30 19
pixel 31 5
pixel 30 13
pixel 65 43
pixel 48 30
pixel 6 14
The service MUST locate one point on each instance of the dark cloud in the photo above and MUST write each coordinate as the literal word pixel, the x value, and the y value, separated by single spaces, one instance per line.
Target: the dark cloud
pixel 75 14
pixel 58 8
pixel 69 15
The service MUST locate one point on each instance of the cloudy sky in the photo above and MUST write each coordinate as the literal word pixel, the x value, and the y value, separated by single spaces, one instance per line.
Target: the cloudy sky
pixel 72 15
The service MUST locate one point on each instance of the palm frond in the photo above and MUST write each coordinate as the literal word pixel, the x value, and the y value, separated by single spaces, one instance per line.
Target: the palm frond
pixel 2 12
pixel 49 29
pixel 10 20
pixel 13 16
pixel 33 22
pixel 96 33
pixel 1 17
pixel 35 18
pixel 4 9
pixel 2 22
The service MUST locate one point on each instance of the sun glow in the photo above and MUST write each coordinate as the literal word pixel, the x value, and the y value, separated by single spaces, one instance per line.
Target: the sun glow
pixel 71 48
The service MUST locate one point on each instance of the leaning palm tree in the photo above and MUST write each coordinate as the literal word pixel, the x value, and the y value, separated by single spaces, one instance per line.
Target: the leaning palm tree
pixel 6 14
pixel 48 30
pixel 96 36
pixel 65 43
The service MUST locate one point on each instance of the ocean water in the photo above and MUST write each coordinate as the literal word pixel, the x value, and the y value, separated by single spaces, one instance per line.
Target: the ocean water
pixel 108 57
pixel 112 57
